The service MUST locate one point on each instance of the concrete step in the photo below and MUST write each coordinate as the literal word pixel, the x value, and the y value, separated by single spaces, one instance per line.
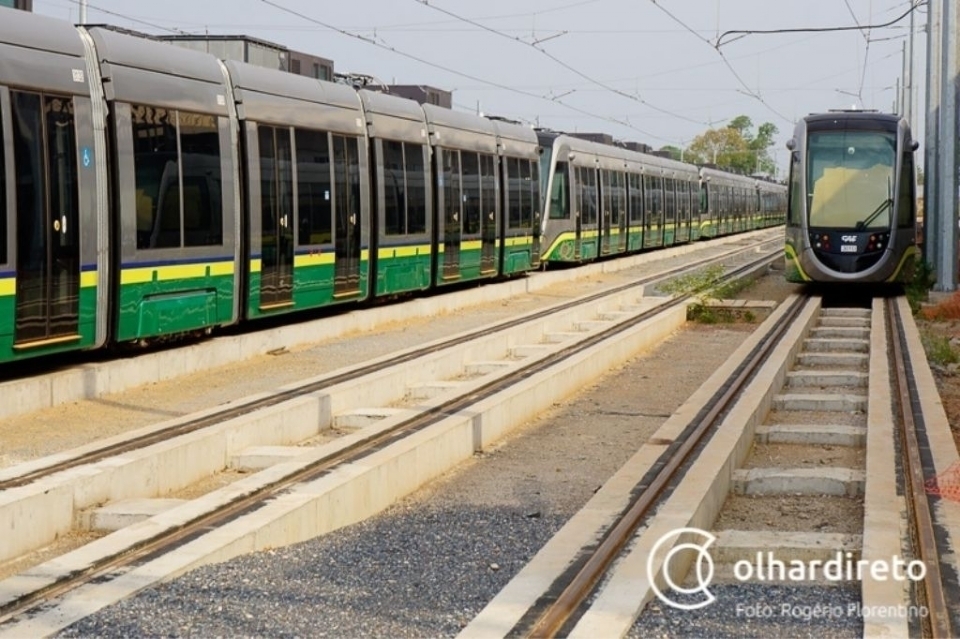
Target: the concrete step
pixel 834 360
pixel 799 481
pixel 592 325
pixel 845 312
pixel 615 316
pixel 744 545
pixel 256 458
pixel 812 434
pixel 559 337
pixel 841 332
pixel 836 345
pixel 849 322
pixel 840 402
pixel 485 368
pixel 120 514
pixel 429 390
pixel 524 351
pixel 361 417
pixel 829 378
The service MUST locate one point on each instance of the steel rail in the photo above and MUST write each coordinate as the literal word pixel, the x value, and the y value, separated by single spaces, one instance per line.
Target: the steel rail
pixel 937 623
pixel 551 621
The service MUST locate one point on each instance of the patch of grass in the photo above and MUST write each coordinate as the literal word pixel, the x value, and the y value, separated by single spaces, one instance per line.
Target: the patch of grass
pixel 918 288
pixel 703 286
pixel 939 350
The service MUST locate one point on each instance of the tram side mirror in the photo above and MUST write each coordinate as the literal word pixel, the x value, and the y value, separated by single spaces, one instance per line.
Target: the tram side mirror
pixel 914 146
pixel 791 144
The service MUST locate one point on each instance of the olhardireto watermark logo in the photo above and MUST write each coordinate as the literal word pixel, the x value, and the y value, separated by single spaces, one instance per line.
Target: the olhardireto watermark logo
pixel 703 564
pixel 765 566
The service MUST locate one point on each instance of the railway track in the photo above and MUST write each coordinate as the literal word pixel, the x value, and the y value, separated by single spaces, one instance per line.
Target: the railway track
pixel 439 412
pixel 800 423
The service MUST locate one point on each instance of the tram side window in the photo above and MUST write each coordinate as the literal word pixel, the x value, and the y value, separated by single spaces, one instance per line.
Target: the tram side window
pixel 535 187
pixel 416 188
pixel 653 188
pixel 906 196
pixel 670 195
pixel 513 184
pixel 588 187
pixel 405 203
pixel 488 187
pixel 618 197
pixel 346 168
pixel 560 193
pixel 394 189
pixel 314 208
pixel 3 203
pixel 635 198
pixel 276 187
pixel 795 203
pixel 607 193
pixel 527 199
pixel 173 150
pixel 470 170
pixel 156 165
pixel 200 166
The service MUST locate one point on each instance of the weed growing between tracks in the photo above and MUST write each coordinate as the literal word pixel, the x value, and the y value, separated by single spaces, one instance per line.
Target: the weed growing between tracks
pixel 703 286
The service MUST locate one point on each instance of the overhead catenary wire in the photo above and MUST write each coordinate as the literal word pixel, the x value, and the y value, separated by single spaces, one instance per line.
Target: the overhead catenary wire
pixel 129 18
pixel 562 63
pixel 748 91
pixel 456 72
pixel 742 33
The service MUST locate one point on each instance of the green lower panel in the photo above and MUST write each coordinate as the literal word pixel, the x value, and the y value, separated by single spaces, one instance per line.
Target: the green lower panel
pixel 589 249
pixel 87 330
pixel 402 274
pixel 562 251
pixel 653 239
pixel 158 308
pixel 313 287
pixel 469 268
pixel 517 258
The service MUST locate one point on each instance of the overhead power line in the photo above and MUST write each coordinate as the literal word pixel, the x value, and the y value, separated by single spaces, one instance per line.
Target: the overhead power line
pixel 747 90
pixel 742 33
pixel 562 63
pixel 462 74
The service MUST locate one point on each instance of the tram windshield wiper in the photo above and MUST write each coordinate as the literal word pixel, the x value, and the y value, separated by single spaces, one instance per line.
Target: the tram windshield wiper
pixel 862 224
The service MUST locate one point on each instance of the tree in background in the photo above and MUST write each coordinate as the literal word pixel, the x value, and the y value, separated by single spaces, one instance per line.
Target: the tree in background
pixel 735 147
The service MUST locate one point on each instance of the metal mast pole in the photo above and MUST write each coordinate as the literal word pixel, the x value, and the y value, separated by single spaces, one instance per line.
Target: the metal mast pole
pixel 946 264
pixel 931 163
pixel 908 77
pixel 83 11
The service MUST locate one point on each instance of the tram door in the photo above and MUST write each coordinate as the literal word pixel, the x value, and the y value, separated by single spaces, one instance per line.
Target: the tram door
pixel 606 217
pixel 587 213
pixel 537 212
pixel 48 237
pixel 346 177
pixel 488 214
pixel 452 198
pixel 578 211
pixel 276 217
pixel 620 209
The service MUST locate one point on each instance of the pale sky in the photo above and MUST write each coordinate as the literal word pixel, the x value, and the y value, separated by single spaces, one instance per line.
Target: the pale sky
pixel 623 67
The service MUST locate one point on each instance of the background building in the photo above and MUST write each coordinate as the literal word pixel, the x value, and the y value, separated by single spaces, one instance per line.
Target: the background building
pixel 26 5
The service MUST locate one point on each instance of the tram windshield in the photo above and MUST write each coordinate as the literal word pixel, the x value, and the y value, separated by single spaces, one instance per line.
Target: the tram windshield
pixel 850 179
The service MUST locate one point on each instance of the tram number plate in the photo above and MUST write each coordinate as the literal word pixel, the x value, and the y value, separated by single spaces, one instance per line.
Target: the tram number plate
pixel 848 248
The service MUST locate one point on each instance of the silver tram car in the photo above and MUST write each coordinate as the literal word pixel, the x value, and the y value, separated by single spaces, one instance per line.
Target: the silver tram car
pixel 852 199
